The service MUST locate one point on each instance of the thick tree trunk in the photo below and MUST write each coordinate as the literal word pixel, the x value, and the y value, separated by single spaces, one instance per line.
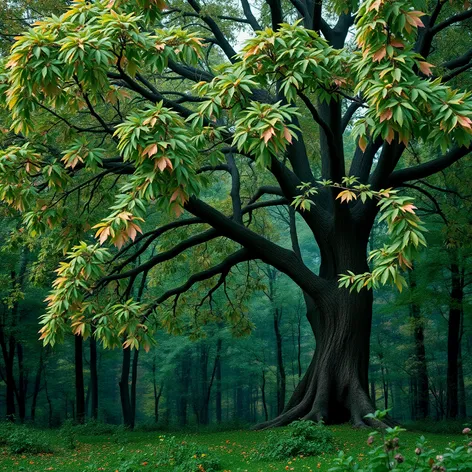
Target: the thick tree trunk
pixel 93 378
pixel 335 387
pixel 454 326
pixel 79 380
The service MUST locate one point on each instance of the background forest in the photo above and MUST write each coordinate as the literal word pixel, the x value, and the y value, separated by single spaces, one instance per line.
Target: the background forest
pixel 211 372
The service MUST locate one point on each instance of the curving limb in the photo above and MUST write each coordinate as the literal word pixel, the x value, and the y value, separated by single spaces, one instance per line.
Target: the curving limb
pixel 428 168
pixel 223 268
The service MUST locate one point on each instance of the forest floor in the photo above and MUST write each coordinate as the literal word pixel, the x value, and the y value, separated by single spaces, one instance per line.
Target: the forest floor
pixel 136 451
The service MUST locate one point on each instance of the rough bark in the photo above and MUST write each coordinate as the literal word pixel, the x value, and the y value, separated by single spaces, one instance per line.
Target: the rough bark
pixel 335 387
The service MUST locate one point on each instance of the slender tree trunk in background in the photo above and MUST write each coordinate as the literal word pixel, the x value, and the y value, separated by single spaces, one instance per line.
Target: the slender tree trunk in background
pixel 454 326
pixel 218 396
pixel 37 386
pixel 384 385
pixel 420 364
pixel 299 352
pixel 134 381
pixel 462 397
pixel 167 411
pixel 239 410
pixel 124 388
pixel 93 378
pixel 22 384
pixel 157 398
pixel 372 392
pixel 281 378
pixel 157 392
pixel 48 399
pixel 79 379
pixel 412 397
pixel 9 347
pixel 184 381
pixel 204 387
pixel 263 396
pixel 8 350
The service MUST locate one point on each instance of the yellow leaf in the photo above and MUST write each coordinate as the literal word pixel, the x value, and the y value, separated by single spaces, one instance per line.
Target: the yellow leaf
pixel 346 196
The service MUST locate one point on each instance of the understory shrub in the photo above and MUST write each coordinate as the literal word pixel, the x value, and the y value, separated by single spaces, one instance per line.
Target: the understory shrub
pixel 186 456
pixel 437 427
pixel 303 437
pixel 24 440
pixel 387 454
pixel 92 428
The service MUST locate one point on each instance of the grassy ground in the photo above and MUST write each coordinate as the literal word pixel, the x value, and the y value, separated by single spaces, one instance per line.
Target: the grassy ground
pixel 110 453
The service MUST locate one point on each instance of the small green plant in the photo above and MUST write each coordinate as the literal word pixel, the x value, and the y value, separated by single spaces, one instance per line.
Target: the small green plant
pixel 187 457
pixel 305 438
pixel 386 453
pixel 69 434
pixel 24 440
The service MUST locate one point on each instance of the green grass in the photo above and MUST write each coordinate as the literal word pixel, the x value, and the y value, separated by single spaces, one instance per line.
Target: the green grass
pixel 108 453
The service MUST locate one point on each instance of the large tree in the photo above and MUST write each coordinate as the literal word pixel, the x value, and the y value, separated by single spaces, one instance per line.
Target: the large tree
pixel 104 94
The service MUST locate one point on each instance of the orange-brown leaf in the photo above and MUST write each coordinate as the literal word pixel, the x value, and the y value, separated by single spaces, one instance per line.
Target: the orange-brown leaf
pixel 425 67
pixel 267 134
pixel 287 135
pixel 363 143
pixel 386 115
pixel 464 121
pixel 346 196
pixel 380 54
pixel 150 150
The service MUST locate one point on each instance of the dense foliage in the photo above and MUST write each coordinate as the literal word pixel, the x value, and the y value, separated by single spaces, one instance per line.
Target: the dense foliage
pixel 188 188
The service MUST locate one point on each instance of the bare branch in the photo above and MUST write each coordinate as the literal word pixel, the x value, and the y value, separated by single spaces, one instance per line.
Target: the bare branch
pixel 222 268
pixel 219 36
pixel 250 17
pixel 451 20
pixel 428 168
